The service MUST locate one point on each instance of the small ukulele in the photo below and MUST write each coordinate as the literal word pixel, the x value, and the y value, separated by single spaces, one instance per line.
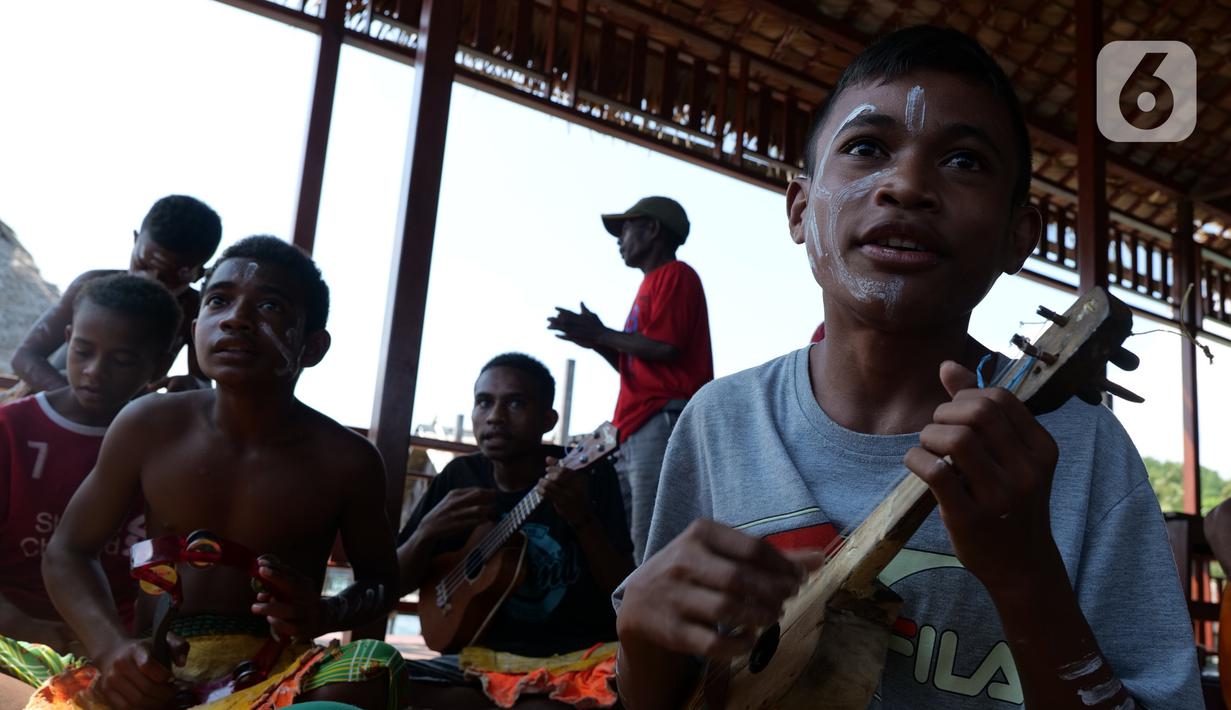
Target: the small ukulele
pixel 467 587
pixel 829 648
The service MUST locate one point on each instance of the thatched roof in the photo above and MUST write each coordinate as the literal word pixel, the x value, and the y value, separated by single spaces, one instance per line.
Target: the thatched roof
pixel 24 295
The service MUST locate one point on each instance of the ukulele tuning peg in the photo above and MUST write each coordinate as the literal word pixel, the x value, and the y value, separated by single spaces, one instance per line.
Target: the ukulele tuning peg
pixel 1124 359
pixel 1121 392
pixel 600 448
pixel 1033 350
pixel 585 459
pixel 1053 316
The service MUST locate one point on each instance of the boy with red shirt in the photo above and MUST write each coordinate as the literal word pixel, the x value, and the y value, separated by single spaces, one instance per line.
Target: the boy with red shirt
pixel 118 341
pixel 663 354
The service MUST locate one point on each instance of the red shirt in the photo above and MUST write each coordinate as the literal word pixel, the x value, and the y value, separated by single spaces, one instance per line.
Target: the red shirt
pixel 819 334
pixel 669 308
pixel 43 459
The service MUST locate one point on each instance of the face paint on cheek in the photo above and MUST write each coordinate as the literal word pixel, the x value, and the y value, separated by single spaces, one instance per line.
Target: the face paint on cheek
pixel 817 190
pixel 284 348
pixel 864 289
pixel 916 107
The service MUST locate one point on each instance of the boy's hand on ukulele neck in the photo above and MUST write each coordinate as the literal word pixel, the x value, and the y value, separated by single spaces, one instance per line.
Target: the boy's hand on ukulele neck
pixel 709 591
pixel 129 677
pixel 290 601
pixel 459 511
pixel 994 497
pixel 568 494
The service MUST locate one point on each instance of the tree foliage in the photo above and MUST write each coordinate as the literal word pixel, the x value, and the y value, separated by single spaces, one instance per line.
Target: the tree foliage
pixel 1165 477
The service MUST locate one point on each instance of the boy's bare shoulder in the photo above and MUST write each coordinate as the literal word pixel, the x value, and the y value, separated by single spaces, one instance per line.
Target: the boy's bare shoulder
pixel 87 277
pixel 340 443
pixel 156 413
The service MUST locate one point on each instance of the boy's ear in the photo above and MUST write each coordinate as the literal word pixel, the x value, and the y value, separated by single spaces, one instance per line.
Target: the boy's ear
pixel 1024 234
pixel 796 205
pixel 550 420
pixel 315 346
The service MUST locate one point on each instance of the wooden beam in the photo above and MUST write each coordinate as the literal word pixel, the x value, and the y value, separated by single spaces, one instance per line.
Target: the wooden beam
pixel 1188 313
pixel 320 115
pixel 398 369
pixel 579 31
pixel 741 109
pixel 1092 235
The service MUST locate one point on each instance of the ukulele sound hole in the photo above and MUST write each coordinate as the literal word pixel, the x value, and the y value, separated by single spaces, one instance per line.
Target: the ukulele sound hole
pixel 474 564
pixel 764 650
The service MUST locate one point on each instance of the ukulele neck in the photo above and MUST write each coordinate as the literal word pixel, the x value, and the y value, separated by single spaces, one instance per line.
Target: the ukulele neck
pixel 510 524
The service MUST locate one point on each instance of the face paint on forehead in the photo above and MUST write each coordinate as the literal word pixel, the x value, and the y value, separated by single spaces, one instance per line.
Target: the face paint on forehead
pixel 250 270
pixel 916 107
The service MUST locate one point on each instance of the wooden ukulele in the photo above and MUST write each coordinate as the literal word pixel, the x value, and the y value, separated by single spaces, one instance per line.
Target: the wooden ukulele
pixel 829 648
pixel 467 587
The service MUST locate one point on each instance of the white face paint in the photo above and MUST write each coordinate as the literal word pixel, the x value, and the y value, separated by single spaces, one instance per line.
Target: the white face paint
pixel 864 289
pixel 916 107
pixel 1098 694
pixel 1081 668
pixel 250 271
pixel 291 361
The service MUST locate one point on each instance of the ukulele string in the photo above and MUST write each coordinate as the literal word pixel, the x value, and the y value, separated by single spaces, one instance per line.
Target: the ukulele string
pixel 488 545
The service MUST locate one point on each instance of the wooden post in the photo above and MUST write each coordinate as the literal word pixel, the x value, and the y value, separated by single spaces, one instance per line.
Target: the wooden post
pixel 579 33
pixel 398 369
pixel 1091 155
pixel 1187 261
pixel 312 176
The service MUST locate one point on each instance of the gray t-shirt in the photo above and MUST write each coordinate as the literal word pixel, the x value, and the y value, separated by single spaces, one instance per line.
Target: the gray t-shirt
pixel 755 451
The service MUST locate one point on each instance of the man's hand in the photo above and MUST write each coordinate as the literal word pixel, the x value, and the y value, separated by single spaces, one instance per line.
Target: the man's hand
pixel 994 498
pixel 290 601
pixel 583 328
pixel 709 591
pixel 459 511
pixel 567 492
pixel 129 677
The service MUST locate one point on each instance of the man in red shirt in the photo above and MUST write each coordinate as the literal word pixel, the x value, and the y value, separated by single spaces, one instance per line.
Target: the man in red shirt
pixel 663 354
pixel 121 333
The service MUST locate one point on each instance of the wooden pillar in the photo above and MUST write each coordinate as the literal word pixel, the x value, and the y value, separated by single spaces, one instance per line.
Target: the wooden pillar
pixel 398 370
pixel 1187 262
pixel 312 176
pixel 1092 222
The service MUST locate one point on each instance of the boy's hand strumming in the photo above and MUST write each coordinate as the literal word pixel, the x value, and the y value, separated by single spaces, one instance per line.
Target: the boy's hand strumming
pixel 709 591
pixel 994 498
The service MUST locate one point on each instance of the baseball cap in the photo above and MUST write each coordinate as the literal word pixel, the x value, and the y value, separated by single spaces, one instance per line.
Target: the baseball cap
pixel 667 211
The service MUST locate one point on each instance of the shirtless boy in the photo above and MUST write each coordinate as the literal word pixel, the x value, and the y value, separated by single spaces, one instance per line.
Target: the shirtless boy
pixel 252 464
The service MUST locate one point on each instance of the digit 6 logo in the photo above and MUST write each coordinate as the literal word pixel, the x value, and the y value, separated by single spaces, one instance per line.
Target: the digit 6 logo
pixel 1146 91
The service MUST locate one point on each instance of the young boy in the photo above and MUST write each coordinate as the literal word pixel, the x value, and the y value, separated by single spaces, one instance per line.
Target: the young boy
pixel 1044 578
pixel 177 237
pixel 122 328
pixel 261 471
pixel 579 550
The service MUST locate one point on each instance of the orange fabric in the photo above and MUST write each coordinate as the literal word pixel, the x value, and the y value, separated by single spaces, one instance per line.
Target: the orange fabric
pixel 588 688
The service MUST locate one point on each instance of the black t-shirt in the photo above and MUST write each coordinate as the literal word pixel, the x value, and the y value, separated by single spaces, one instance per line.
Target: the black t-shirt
pixel 558 608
